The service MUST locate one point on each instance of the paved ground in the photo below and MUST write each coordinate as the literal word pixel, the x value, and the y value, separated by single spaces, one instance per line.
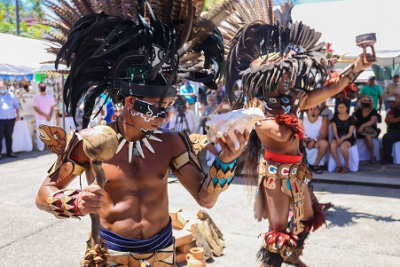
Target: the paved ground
pixel 362 229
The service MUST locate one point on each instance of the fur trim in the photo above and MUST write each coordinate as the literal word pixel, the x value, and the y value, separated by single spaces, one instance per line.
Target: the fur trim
pixel 268 258
pixel 316 222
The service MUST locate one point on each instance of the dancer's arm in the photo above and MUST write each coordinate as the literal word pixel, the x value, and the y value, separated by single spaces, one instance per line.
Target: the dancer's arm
pixel 200 185
pixel 318 96
pixel 53 196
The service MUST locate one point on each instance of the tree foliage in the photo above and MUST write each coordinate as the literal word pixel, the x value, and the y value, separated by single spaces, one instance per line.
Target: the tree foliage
pixel 27 9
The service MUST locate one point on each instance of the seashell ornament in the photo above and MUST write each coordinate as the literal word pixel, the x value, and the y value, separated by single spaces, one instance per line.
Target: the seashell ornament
pixel 240 120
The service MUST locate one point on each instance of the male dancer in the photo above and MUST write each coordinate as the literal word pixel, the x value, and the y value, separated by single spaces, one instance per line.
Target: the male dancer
pixel 279 63
pixel 136 61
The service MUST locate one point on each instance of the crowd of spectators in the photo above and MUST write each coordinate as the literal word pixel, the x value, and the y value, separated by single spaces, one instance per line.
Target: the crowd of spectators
pixel 346 129
pixel 327 131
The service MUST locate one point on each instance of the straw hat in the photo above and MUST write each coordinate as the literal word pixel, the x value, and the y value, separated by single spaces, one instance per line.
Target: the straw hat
pixel 369 131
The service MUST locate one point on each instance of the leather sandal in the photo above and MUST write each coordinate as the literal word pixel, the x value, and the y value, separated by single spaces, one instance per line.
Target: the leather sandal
pixel 317 169
pixel 345 170
pixel 338 169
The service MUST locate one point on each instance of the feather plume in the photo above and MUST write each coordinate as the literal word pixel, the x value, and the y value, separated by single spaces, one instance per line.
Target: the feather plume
pixel 268 5
pixel 260 10
pixel 208 24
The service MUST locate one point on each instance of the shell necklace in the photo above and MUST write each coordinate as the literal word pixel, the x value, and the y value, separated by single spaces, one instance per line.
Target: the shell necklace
pixel 137 150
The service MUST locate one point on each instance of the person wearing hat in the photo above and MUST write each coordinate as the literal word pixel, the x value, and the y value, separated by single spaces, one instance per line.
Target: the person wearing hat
pixel 374 91
pixel 392 91
pixel 366 124
pixel 393 132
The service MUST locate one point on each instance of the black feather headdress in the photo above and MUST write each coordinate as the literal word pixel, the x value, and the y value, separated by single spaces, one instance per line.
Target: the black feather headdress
pixel 141 47
pixel 262 45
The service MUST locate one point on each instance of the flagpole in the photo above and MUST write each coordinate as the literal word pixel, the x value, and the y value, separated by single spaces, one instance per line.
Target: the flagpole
pixel 17 10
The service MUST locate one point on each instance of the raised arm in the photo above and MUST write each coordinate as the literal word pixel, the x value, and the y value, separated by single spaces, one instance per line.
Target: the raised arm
pixel 345 78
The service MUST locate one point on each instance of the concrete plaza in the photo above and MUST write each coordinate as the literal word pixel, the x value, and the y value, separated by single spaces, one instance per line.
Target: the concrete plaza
pixel 362 228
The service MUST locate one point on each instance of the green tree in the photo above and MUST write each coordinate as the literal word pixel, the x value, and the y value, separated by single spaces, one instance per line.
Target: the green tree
pixel 27 8
pixel 210 3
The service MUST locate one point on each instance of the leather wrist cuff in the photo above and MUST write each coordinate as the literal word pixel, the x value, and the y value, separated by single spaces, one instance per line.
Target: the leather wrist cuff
pixel 64 204
pixel 349 73
pixel 220 176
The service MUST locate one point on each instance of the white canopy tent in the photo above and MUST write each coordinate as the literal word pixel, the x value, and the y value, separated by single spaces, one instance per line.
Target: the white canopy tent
pixel 19 55
pixel 341 21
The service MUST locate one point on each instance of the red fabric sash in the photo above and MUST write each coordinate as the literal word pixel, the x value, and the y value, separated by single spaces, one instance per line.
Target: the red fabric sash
pixel 282 158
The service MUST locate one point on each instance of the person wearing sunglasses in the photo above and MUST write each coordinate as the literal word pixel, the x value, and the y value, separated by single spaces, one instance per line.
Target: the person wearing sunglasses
pixel 136 61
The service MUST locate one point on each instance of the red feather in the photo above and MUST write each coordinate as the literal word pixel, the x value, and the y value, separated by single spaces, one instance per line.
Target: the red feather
pixel 292 123
pixel 316 222
pixel 280 239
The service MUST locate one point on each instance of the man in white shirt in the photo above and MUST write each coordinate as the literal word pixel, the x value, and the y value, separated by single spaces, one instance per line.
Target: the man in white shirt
pixel 315 133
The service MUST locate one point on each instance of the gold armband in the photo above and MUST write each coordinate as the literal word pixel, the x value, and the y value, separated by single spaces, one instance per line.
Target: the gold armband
pixel 62 144
pixel 188 157
pixel 220 176
pixel 64 204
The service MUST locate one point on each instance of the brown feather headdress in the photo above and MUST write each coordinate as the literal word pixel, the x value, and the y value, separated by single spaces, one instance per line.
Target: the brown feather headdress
pixel 263 45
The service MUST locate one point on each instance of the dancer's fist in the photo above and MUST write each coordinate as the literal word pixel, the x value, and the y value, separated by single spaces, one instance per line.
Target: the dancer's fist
pixel 90 199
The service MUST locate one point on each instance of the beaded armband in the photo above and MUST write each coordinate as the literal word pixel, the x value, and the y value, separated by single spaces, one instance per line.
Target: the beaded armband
pixel 64 204
pixel 220 176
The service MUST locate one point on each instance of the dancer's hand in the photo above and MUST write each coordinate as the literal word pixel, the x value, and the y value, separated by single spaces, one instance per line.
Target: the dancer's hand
pixel 359 64
pixel 229 150
pixel 90 199
pixel 300 99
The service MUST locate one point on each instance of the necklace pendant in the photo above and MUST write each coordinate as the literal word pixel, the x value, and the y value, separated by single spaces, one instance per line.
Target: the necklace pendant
pixel 135 152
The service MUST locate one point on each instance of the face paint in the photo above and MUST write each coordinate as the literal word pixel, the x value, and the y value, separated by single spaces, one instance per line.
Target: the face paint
pixel 147 111
pixel 144 117
pixel 285 89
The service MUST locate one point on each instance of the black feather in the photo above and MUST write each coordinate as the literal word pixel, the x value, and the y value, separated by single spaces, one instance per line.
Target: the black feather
pixel 269 259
